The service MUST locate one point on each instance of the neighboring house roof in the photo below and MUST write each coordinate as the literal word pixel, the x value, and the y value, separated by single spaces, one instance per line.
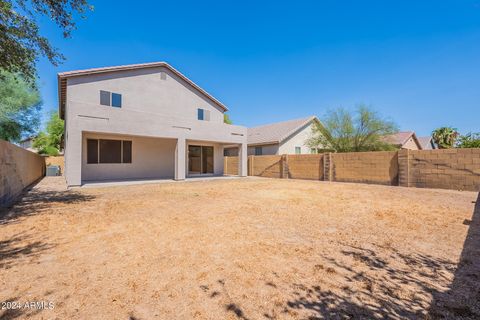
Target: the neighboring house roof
pixel 402 137
pixel 425 142
pixel 63 76
pixel 276 132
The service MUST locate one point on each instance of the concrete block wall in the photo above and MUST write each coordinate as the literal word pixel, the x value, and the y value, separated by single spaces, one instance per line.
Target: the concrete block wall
pixel 305 166
pixel 18 169
pixel 230 166
pixel 366 167
pixel 265 166
pixel 457 169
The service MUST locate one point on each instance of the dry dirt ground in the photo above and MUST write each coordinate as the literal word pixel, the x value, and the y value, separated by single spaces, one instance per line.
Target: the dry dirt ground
pixel 241 249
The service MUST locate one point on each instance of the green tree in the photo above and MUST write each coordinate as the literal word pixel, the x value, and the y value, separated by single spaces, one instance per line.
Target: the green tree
pixel 50 142
pixel 19 107
pixel 470 140
pixel 226 119
pixel 445 137
pixel 21 44
pixel 343 131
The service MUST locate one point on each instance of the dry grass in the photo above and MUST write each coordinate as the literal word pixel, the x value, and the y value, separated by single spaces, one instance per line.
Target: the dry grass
pixel 234 249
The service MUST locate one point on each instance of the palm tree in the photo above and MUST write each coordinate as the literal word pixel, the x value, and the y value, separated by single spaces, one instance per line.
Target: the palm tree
pixel 445 137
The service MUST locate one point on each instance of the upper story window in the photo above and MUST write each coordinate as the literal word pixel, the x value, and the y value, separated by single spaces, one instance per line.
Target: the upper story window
pixel 258 151
pixel 110 99
pixel 298 150
pixel 203 114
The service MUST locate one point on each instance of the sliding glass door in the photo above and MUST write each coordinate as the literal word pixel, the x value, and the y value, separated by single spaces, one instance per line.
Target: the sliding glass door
pixel 200 160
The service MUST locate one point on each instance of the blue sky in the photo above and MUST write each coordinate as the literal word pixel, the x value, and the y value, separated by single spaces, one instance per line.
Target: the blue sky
pixel 416 62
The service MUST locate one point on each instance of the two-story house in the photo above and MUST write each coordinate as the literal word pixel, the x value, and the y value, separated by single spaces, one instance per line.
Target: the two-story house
pixel 142 121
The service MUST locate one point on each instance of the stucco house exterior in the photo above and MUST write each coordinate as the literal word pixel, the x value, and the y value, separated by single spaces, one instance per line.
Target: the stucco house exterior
pixel 404 140
pixel 287 137
pixel 142 121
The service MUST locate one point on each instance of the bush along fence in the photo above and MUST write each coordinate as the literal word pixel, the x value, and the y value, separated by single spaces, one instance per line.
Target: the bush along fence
pixel 457 169
pixel 19 168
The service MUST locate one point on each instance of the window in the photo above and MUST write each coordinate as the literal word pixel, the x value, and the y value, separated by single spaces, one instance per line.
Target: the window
pixel 116 100
pixel 298 150
pixel 104 98
pixel 258 151
pixel 92 151
pixel 203 114
pixel 313 151
pixel 109 151
pixel 110 99
pixel 127 151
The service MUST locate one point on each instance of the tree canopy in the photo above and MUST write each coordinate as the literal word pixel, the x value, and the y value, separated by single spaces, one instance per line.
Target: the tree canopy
pixel 21 43
pixel 50 142
pixel 344 131
pixel 445 137
pixel 226 119
pixel 19 107
pixel 470 140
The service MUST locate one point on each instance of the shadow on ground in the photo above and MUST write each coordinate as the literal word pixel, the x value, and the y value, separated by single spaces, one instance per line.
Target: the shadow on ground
pixel 20 246
pixel 462 300
pixel 376 290
pixel 380 283
pixel 37 201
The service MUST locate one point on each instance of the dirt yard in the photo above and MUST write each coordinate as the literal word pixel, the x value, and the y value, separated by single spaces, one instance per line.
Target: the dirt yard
pixel 241 249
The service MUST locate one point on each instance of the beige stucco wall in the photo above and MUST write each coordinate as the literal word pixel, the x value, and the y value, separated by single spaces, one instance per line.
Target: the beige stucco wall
pixel 18 169
pixel 267 149
pixel 410 144
pixel 151 158
pixel 151 107
pixel 143 90
pixel 297 140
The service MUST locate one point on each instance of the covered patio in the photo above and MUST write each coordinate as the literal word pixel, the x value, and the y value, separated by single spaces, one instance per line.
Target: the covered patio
pixel 130 159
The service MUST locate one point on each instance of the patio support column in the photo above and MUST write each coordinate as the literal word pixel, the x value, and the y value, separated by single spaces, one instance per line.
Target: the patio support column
pixel 73 158
pixel 180 156
pixel 242 160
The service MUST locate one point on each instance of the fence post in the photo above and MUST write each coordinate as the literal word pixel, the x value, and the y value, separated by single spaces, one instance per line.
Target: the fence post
pixel 284 166
pixel 225 166
pixel 327 166
pixel 404 168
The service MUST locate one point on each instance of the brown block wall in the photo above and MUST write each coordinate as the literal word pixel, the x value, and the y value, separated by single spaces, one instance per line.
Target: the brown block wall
pixel 366 167
pixel 305 166
pixel 446 169
pixel 265 166
pixel 18 169
pixel 230 166
pixel 457 169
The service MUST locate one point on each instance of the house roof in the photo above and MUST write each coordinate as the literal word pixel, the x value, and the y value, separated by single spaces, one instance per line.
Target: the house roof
pixel 400 138
pixel 276 132
pixel 63 76
pixel 425 141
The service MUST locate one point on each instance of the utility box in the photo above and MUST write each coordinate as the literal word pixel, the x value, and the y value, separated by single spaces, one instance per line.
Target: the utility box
pixel 53 171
